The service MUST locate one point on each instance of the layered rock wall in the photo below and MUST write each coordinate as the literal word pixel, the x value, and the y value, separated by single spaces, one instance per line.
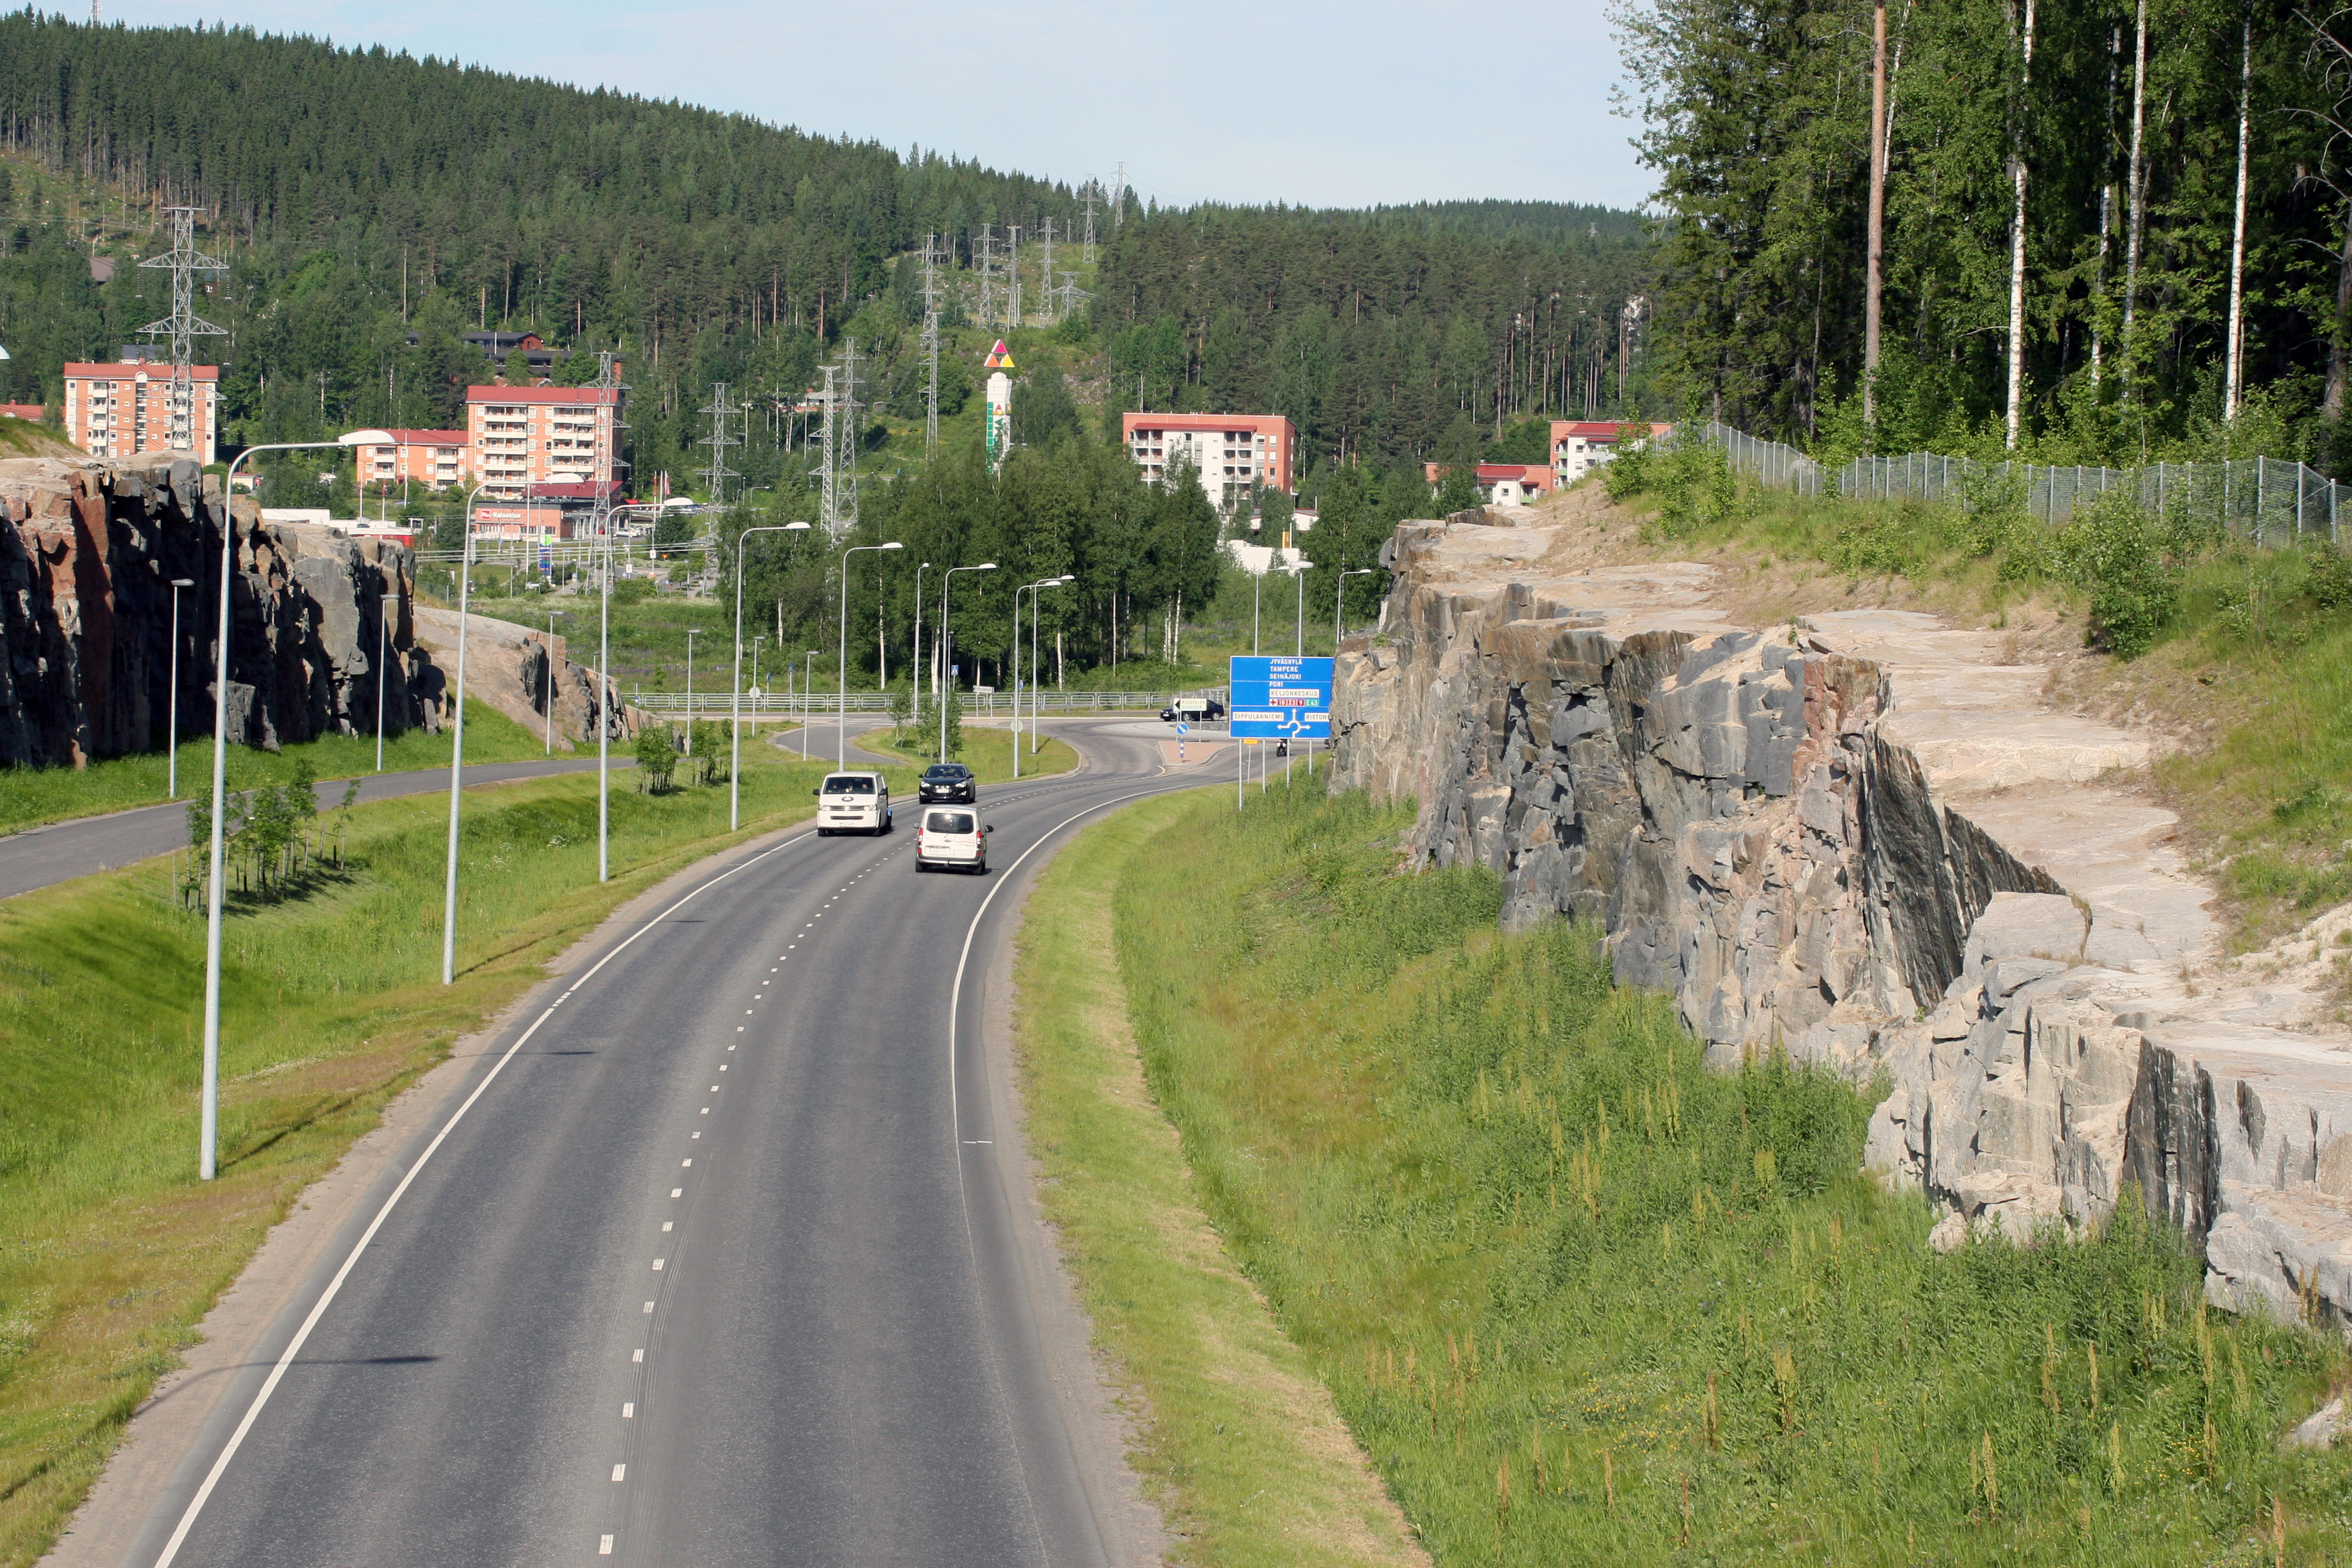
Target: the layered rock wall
pixel 1733 808
pixel 87 554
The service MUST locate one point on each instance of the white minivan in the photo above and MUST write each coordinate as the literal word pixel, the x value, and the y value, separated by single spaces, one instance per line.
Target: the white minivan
pixel 853 802
pixel 951 835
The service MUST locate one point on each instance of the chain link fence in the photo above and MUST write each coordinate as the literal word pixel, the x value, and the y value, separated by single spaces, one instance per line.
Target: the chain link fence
pixel 2270 504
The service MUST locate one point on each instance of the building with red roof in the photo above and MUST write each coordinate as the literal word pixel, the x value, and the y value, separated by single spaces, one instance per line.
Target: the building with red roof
pixel 524 435
pixel 436 459
pixel 1578 445
pixel 121 410
pixel 1234 453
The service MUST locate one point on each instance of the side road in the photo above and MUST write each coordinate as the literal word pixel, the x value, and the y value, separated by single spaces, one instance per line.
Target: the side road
pixel 61 851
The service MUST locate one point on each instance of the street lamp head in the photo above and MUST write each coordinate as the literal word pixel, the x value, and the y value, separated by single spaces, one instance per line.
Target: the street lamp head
pixel 894 544
pixel 983 566
pixel 796 528
pixel 364 438
pixel 184 582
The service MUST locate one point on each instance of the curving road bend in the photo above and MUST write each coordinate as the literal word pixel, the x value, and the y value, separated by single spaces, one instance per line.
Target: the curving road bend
pixel 722 1257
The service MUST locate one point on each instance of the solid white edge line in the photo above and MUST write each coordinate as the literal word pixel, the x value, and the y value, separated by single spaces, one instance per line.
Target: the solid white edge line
pixel 301 1335
pixel 955 1117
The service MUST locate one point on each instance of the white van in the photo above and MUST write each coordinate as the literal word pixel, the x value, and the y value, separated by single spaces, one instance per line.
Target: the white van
pixel 951 835
pixel 853 802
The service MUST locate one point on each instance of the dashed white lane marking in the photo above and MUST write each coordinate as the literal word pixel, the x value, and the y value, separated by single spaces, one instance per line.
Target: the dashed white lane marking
pixel 620 1470
pixel 639 1355
pixel 649 1305
pixel 669 1223
pixel 723 1067
pixel 658 1264
pixel 366 1239
pixel 678 1192
pixel 604 1547
pixel 706 1110
pixel 706 1113
pixel 629 1411
pixel 685 1162
pixel 738 1028
pixel 746 1012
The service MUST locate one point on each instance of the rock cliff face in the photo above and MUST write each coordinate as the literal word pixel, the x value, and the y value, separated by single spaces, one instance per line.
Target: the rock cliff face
pixel 1742 814
pixel 88 552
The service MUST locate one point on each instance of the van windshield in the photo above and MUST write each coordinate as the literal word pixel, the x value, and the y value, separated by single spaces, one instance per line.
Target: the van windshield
pixel 848 784
pixel 948 822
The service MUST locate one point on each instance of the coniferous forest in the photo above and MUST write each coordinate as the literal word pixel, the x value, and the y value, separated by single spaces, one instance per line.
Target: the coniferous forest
pixel 2156 188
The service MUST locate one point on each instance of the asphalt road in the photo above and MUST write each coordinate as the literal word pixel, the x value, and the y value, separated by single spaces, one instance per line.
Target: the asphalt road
pixel 715 1260
pixel 62 850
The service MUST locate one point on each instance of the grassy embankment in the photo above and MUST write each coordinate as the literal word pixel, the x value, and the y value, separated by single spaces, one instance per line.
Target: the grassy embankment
pixel 30 796
pixel 2243 656
pixel 110 1251
pixel 1580 1298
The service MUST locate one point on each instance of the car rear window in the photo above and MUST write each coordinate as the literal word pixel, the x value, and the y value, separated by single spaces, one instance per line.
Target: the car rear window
pixel 948 822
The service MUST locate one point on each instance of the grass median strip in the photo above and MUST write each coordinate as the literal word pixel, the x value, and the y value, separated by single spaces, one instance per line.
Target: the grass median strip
pixel 1582 1298
pixel 110 1251
pixel 1240 1444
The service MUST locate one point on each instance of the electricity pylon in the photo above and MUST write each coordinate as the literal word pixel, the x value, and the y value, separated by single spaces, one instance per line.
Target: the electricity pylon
pixel 932 342
pixel 184 326
pixel 1045 278
pixel 1094 187
pixel 718 440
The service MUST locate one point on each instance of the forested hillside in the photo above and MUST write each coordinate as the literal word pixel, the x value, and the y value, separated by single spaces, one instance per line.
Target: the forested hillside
pixel 2109 137
pixel 361 197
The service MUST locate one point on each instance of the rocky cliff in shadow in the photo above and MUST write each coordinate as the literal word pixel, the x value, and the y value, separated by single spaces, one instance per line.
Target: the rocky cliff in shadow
pixel 1731 808
pixel 88 552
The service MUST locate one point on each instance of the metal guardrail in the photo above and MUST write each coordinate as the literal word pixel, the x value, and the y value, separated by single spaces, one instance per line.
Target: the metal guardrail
pixel 983 705
pixel 2268 503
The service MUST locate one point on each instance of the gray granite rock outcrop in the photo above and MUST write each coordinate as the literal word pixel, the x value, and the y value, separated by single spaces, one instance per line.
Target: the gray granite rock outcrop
pixel 1734 811
pixel 87 554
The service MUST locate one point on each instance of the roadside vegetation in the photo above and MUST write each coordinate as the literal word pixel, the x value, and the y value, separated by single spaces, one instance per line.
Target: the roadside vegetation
pixel 1581 1298
pixel 2240 657
pixel 30 796
pixel 110 1251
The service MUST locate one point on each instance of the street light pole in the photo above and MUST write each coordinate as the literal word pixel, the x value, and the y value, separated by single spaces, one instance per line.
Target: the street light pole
pixel 1030 589
pixel 947 648
pixel 1300 571
pixel 208 1133
pixel 380 629
pixel 171 741
pixel 735 755
pixel 1338 592
pixel 917 716
pixel 691 633
pixel 458 745
pixel 841 726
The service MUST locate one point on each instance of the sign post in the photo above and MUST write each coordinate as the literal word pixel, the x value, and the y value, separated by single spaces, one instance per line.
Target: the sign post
pixel 1280 697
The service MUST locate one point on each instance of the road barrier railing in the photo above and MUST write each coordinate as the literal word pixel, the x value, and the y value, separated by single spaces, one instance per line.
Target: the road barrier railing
pixel 976 705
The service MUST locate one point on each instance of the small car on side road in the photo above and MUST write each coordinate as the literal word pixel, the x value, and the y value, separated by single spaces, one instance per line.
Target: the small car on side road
pixel 853 802
pixel 951 838
pixel 945 783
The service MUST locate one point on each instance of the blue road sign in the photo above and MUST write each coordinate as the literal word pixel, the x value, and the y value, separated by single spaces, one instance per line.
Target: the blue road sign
pixel 1182 728
pixel 1281 698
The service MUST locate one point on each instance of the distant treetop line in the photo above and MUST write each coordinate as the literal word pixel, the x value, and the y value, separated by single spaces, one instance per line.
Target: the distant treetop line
pixel 371 206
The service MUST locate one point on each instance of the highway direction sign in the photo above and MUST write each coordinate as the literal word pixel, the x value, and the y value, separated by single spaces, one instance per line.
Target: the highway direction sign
pixel 1281 698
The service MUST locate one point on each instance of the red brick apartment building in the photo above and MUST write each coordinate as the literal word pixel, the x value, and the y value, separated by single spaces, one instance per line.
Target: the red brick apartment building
pixel 520 435
pixel 1232 453
pixel 122 409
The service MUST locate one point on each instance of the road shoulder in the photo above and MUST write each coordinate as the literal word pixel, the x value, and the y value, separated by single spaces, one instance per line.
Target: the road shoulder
pixel 1236 1441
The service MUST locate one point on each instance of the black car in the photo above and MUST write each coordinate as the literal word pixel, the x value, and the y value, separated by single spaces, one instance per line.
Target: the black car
pixel 945 782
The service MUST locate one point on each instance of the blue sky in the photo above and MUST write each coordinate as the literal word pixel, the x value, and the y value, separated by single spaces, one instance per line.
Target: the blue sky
pixel 1317 104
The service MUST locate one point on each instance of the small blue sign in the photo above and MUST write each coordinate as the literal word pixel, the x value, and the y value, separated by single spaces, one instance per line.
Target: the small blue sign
pixel 1280 697
pixel 1182 728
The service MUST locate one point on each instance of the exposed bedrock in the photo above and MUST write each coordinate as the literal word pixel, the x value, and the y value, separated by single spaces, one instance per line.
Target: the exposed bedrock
pixel 1758 835
pixel 87 554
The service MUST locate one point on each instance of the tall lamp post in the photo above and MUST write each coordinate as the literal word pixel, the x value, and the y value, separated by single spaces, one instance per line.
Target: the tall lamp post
pixel 380 632
pixel 602 522
pixel 917 716
pixel 1339 592
pixel 691 633
pixel 735 757
pixel 841 728
pixel 208 1135
pixel 1300 572
pixel 171 745
pixel 1030 589
pixel 947 648
pixel 457 743
pixel 552 617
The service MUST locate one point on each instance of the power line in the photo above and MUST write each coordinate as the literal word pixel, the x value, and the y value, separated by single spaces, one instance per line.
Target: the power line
pixel 184 326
